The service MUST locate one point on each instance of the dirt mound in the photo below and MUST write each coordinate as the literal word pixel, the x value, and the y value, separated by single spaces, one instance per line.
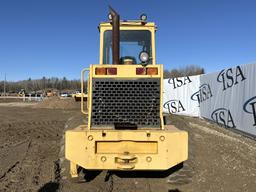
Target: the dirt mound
pixel 58 103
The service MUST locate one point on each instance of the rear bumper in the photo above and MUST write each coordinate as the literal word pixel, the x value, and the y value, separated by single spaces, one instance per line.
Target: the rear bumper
pixel 126 149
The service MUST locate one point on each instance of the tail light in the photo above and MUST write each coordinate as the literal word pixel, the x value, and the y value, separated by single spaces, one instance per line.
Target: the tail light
pixel 112 71
pixel 100 71
pixel 140 71
pixel 152 71
pixel 147 71
pixel 105 71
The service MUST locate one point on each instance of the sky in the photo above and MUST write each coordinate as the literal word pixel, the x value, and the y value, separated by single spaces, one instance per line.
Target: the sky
pixel 57 38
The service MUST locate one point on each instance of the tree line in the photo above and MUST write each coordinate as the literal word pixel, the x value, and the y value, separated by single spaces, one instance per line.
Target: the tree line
pixel 188 70
pixel 65 84
pixel 41 84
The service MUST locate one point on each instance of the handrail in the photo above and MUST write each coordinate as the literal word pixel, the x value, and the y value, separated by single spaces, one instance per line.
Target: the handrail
pixel 82 90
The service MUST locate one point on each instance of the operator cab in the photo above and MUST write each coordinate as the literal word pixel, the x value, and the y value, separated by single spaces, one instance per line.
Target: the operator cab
pixel 137 42
pixel 132 43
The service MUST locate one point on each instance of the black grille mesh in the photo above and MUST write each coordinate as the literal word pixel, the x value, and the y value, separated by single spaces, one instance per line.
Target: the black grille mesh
pixel 126 101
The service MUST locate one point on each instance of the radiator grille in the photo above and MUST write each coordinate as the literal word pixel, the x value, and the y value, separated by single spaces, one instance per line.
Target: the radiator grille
pixel 119 101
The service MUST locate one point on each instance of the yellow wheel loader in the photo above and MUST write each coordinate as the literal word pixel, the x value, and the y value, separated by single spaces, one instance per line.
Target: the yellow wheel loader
pixel 125 129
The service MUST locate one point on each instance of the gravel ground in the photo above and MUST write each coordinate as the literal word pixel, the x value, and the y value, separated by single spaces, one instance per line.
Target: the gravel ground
pixel 31 155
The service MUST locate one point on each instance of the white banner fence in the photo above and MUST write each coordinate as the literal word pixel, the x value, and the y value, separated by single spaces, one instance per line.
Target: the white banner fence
pixel 227 97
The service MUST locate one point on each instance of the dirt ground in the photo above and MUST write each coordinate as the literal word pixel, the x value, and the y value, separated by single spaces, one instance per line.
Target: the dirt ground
pixel 32 155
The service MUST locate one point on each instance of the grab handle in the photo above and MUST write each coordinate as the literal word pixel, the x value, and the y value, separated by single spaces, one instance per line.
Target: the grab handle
pixel 82 90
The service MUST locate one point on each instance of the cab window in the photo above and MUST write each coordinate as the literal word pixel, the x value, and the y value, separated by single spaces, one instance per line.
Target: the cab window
pixel 132 42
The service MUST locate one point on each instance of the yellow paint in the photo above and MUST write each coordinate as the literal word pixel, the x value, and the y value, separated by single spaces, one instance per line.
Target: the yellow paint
pixel 82 90
pixel 110 149
pixel 121 147
pixel 164 153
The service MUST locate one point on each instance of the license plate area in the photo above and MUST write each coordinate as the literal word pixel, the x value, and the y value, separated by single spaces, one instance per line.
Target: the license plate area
pixel 122 147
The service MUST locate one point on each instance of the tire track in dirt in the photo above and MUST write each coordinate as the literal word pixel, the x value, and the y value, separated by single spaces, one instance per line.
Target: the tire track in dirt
pixel 9 177
pixel 21 130
pixel 28 147
pixel 9 169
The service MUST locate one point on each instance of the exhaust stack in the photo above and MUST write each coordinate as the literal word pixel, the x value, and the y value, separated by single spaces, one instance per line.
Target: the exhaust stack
pixel 115 36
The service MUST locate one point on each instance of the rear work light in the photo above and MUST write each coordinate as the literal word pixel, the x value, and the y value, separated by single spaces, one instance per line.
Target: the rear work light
pixel 105 71
pixel 147 71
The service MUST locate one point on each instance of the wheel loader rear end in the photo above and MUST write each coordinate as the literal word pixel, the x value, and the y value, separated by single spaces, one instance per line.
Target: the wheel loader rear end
pixel 125 129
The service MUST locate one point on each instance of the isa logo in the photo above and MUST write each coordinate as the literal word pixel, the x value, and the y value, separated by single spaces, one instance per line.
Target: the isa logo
pixel 202 94
pixel 230 77
pixel 250 107
pixel 179 81
pixel 223 116
pixel 174 106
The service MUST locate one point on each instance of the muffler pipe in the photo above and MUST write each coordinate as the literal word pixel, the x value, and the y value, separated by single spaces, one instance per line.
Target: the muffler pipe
pixel 115 36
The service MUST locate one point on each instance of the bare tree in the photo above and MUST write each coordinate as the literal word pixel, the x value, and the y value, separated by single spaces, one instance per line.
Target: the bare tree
pixel 184 71
pixel 167 74
pixel 41 84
